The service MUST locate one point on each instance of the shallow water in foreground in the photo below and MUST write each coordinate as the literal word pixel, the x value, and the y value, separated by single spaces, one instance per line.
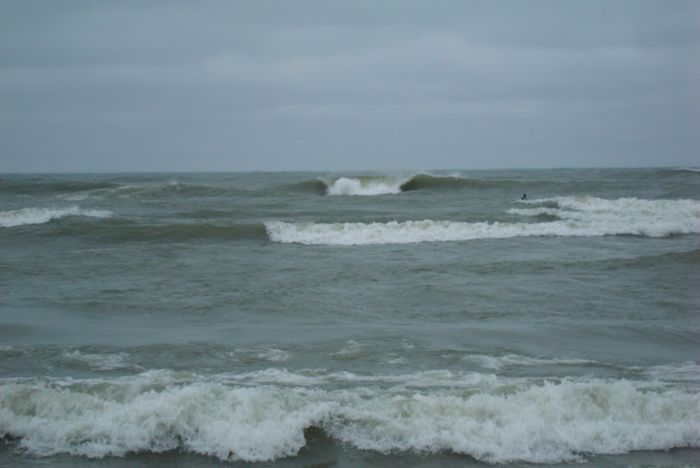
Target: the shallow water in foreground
pixel 351 319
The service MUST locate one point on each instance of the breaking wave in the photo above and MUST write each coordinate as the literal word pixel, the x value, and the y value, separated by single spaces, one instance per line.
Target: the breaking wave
pixel 26 216
pixel 574 216
pixel 364 186
pixel 380 184
pixel 233 417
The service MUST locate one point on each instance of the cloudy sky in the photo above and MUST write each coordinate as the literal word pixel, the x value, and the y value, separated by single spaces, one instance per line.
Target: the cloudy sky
pixel 362 84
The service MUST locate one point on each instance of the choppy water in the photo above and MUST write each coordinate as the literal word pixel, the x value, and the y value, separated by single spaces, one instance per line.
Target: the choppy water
pixel 350 319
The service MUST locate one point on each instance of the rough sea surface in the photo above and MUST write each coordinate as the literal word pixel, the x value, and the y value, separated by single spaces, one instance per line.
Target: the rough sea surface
pixel 423 319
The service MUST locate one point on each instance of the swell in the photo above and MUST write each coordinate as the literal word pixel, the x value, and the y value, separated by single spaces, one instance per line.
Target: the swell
pixel 173 189
pixel 428 182
pixel 122 230
pixel 38 187
pixel 104 189
pixel 316 186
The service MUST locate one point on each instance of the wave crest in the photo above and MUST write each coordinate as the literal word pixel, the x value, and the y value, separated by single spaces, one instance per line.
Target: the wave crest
pixel 159 411
pixel 380 184
pixel 26 216
pixel 364 186
pixel 575 216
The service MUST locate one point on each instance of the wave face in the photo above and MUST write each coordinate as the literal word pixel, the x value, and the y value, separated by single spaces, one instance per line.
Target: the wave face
pixel 574 216
pixel 26 216
pixel 157 411
pixel 427 181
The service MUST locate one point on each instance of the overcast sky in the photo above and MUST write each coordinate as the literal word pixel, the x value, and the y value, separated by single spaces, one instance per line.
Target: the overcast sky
pixel 331 85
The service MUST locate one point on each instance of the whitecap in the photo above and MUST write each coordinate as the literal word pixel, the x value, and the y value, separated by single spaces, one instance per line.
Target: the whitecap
pixel 365 186
pixel 26 216
pixel 496 420
pixel 578 216
pixel 105 361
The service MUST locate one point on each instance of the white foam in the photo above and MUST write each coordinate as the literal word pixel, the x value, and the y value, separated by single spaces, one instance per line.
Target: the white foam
pixel 495 420
pixel 365 186
pixel 543 424
pixel 260 354
pixel 687 371
pixel 578 216
pixel 107 361
pixel 515 360
pixel 26 216
pixel 351 350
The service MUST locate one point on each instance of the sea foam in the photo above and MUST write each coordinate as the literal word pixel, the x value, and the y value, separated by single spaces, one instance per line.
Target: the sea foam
pixel 576 216
pixel 390 184
pixel 26 216
pixel 365 186
pixel 495 420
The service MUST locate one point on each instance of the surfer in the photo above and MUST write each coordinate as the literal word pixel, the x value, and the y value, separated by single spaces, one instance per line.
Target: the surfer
pixel 524 197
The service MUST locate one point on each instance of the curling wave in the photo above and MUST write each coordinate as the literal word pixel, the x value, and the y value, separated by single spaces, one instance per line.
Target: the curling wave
pixel 26 216
pixel 380 184
pixel 574 216
pixel 225 417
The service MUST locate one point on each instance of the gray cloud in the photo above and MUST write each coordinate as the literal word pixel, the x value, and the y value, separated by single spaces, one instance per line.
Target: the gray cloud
pixel 273 85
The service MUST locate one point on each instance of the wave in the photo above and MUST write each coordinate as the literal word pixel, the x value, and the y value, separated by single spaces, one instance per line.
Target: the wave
pixel 364 186
pixel 380 184
pixel 121 230
pixel 81 190
pixel 172 187
pixel 427 181
pixel 316 186
pixel 26 216
pixel 219 416
pixel 687 169
pixel 515 360
pixel 36 187
pixel 575 216
pixel 96 361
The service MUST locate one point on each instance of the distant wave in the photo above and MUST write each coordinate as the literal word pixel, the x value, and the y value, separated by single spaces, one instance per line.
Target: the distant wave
pixel 265 415
pixel 427 181
pixel 26 216
pixel 171 187
pixel 380 184
pixel 575 216
pixel 36 187
pixel 81 190
pixel 688 169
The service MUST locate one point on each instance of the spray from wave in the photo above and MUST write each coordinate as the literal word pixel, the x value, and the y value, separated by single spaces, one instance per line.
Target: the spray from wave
pixel 380 184
pixel 26 216
pixel 364 186
pixel 574 216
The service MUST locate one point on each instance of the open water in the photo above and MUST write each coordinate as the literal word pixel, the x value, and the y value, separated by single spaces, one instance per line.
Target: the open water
pixel 289 319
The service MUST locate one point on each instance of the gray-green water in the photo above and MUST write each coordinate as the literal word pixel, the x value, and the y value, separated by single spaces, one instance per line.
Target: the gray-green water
pixel 350 319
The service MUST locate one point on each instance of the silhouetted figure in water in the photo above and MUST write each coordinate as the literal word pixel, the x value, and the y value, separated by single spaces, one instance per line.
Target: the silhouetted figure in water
pixel 524 197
